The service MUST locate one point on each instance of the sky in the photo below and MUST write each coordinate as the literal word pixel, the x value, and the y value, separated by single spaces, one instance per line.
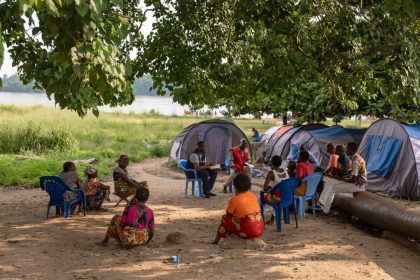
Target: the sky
pixel 8 69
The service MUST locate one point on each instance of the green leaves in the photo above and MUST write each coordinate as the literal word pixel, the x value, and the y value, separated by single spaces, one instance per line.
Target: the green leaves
pixel 81 7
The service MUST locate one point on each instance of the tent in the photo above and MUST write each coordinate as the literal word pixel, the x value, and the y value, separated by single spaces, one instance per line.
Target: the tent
pixel 281 145
pixel 265 137
pixel 316 142
pixel 219 135
pixel 392 154
pixel 275 137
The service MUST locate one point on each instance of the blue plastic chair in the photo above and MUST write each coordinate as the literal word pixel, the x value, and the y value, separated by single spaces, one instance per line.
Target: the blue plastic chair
pixel 313 181
pixel 183 166
pixel 228 172
pixel 56 188
pixel 287 190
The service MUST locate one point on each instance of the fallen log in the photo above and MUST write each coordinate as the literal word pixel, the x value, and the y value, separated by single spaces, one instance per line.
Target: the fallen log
pixel 381 213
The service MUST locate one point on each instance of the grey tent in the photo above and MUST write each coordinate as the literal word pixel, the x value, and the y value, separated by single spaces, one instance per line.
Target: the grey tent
pixel 392 154
pixel 281 145
pixel 264 141
pixel 219 135
pixel 316 142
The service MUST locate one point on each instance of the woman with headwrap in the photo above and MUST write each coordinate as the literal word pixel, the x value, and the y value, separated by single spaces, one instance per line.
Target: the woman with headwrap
pixel 95 191
pixel 124 185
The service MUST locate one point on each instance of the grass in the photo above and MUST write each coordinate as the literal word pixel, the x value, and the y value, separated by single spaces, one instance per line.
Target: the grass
pixel 36 141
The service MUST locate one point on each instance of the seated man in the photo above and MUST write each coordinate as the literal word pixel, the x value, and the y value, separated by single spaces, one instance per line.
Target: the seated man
pixel 358 178
pixel 197 161
pixel 239 162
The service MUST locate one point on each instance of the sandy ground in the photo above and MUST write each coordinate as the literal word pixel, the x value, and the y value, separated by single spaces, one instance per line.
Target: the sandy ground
pixel 33 247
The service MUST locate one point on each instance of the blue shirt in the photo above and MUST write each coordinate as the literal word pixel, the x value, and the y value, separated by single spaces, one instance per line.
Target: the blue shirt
pixel 256 137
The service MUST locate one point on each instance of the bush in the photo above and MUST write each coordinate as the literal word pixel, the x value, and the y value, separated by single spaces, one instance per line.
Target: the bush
pixel 159 150
pixel 33 138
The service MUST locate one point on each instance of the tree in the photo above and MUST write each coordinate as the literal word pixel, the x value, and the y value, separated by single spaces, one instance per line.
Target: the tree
pixel 77 50
pixel 324 58
pixel 318 58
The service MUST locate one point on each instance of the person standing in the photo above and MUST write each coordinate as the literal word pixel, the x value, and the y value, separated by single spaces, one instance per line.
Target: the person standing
pixel 239 162
pixel 197 161
pixel 255 135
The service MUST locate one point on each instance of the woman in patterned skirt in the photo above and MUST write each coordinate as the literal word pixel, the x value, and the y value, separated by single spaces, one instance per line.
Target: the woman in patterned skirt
pixel 243 216
pixel 136 226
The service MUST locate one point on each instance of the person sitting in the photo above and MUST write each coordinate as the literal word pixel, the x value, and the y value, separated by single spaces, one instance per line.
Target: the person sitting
pixel 135 226
pixel 255 135
pixel 275 176
pixel 358 178
pixel 291 169
pixel 243 215
pixel 304 167
pixel 312 158
pixel 197 161
pixel 333 162
pixel 239 162
pixel 71 178
pixel 343 163
pixel 95 191
pixel 124 185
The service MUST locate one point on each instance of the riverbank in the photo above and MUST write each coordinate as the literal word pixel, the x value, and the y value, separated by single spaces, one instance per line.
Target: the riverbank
pixel 37 140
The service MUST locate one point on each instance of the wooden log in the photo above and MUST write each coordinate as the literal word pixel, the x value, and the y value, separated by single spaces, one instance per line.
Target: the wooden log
pixel 382 213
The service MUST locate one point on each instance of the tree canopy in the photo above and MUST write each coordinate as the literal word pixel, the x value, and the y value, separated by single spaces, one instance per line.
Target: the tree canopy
pixel 320 59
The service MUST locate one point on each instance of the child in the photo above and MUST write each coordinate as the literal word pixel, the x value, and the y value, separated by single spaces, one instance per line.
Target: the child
pixel 343 163
pixel 95 191
pixel 333 162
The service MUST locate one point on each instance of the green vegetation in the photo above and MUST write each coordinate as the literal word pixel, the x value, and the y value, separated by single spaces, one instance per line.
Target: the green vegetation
pixel 320 59
pixel 35 141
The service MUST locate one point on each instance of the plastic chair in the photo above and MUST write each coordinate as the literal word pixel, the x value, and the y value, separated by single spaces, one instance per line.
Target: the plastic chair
pixel 313 181
pixel 183 166
pixel 56 188
pixel 228 171
pixel 287 190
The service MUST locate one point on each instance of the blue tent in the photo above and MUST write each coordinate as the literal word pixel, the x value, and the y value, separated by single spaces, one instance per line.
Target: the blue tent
pixel 392 154
pixel 316 142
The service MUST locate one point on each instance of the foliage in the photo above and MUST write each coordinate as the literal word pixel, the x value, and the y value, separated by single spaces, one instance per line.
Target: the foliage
pixel 77 50
pixel 317 58
pixel 321 59
pixel 33 138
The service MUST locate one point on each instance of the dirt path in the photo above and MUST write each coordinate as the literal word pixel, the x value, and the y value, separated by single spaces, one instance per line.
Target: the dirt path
pixel 34 247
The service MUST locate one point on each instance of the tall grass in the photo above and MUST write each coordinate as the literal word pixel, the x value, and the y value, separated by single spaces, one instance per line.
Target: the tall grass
pixel 33 138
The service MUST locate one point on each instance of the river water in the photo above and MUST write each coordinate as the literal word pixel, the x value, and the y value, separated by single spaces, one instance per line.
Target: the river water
pixel 142 104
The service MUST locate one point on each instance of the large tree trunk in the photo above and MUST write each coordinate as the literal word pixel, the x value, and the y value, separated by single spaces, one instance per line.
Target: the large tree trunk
pixel 284 119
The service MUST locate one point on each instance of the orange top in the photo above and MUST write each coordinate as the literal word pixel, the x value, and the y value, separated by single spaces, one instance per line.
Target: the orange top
pixel 333 161
pixel 243 204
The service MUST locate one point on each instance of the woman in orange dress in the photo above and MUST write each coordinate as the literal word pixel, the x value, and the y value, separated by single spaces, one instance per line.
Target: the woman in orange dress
pixel 243 216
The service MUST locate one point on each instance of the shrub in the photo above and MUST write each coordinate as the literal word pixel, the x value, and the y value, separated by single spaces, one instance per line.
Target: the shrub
pixel 34 139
